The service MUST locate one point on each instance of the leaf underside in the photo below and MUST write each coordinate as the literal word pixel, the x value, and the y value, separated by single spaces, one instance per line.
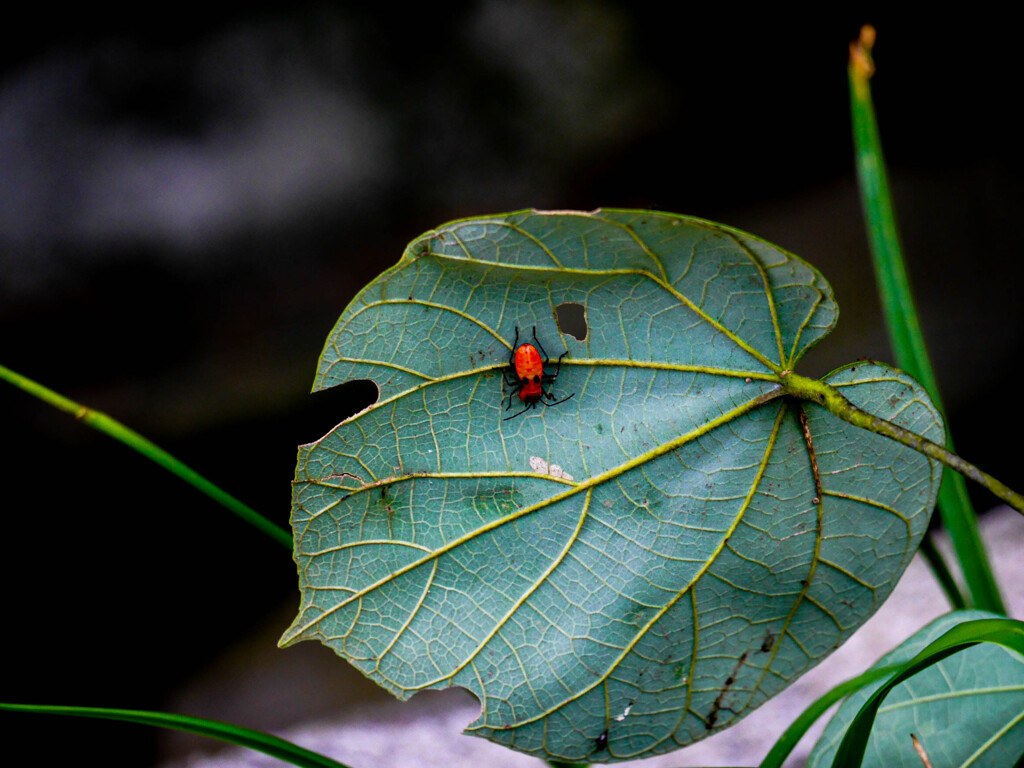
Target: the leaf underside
pixel 967 709
pixel 628 571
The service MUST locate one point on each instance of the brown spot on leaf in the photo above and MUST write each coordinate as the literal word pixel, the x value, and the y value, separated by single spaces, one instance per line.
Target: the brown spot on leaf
pixel 718 706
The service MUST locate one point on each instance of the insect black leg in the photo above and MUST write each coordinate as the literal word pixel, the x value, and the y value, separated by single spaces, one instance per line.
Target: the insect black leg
pixel 512 354
pixel 546 359
pixel 559 366
pixel 539 345
pixel 518 413
pixel 509 376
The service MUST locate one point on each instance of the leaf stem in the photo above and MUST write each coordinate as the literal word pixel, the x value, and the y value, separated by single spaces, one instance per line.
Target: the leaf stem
pixel 115 429
pixel 824 395
pixel 234 734
pixel 901 318
pixel 919 748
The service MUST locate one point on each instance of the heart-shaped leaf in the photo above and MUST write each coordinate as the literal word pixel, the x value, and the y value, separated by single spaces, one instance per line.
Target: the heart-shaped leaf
pixel 630 570
pixel 967 709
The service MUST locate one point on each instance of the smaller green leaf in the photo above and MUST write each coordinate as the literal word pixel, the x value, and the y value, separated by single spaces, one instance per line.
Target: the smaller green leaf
pixel 234 734
pixel 787 742
pixel 960 690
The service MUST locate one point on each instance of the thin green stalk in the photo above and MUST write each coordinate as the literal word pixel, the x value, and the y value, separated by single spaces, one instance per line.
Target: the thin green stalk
pixel 902 321
pixel 234 734
pixel 830 398
pixel 938 565
pixel 118 431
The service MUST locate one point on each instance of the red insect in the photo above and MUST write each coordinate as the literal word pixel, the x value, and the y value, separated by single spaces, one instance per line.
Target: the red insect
pixel 526 375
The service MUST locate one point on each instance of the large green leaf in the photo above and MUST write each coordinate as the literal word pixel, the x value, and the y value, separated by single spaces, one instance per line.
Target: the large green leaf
pixel 967 709
pixel 633 569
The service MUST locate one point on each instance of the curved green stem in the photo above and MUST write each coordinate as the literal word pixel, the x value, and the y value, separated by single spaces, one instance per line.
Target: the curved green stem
pixel 938 565
pixel 234 734
pixel 902 321
pixel 828 397
pixel 118 431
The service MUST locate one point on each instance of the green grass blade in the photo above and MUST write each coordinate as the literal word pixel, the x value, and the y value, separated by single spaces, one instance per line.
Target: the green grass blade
pixel 902 321
pixel 788 741
pixel 1006 632
pixel 934 558
pixel 245 737
pixel 118 431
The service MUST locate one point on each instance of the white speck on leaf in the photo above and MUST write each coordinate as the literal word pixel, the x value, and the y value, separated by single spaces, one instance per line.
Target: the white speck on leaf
pixel 537 464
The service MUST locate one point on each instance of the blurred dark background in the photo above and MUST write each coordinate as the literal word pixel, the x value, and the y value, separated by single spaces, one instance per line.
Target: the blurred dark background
pixel 189 196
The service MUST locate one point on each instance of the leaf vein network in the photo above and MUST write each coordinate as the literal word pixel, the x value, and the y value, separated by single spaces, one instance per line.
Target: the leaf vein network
pixel 584 485
pixel 602 677
pixel 542 579
pixel 768 293
pixel 668 288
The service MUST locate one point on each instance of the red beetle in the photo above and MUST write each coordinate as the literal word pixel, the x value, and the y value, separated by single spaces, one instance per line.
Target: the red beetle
pixel 526 375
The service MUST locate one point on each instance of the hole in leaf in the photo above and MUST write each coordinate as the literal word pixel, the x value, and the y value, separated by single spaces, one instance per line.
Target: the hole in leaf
pixel 332 406
pixel 572 319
